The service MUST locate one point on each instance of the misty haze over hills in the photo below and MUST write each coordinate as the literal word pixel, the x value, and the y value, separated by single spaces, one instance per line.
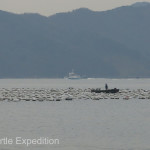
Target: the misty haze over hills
pixel 113 43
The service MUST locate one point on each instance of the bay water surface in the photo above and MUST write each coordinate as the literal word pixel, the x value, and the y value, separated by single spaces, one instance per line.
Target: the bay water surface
pixel 78 124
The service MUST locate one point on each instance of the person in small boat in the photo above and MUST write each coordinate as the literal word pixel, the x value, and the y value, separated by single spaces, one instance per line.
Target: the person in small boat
pixel 106 86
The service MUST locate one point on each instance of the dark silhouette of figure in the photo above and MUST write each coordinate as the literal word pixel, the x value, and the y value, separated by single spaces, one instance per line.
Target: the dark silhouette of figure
pixel 106 86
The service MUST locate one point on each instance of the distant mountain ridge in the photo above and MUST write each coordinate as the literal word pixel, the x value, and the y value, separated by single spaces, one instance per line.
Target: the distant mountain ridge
pixel 113 43
pixel 141 4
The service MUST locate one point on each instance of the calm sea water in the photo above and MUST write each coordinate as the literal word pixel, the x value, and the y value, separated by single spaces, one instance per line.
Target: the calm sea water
pixel 83 83
pixel 78 124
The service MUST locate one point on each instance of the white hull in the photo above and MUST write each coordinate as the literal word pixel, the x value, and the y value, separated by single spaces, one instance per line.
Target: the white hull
pixel 73 76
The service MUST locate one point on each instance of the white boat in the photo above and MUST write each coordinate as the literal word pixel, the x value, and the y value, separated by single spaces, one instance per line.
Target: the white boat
pixel 73 75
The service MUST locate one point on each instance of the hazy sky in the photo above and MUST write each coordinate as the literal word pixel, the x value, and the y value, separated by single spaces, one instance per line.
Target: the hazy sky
pixel 49 7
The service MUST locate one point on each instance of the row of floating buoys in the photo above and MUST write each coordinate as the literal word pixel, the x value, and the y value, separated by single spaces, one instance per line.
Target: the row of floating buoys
pixel 45 94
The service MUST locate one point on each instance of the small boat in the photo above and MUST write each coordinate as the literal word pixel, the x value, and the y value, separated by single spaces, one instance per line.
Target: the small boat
pixel 105 91
pixel 73 75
